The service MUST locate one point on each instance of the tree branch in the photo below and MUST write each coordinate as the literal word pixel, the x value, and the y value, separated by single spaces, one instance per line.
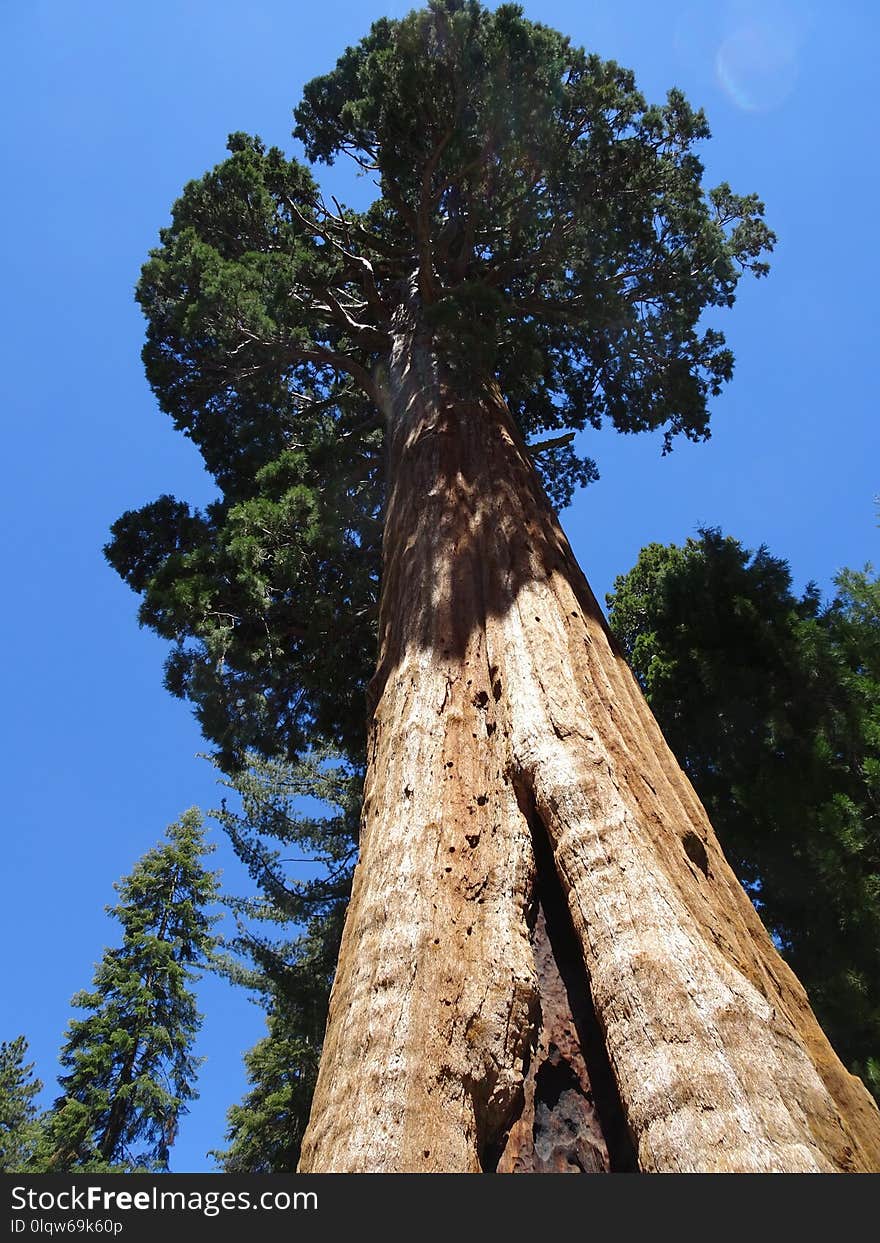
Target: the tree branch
pixel 323 357
pixel 335 308
pixel 427 276
pixel 555 442
pixel 365 275
pixel 546 250
pixel 339 362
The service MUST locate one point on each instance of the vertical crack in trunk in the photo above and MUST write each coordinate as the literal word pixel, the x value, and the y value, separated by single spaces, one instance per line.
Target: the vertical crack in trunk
pixel 572 1120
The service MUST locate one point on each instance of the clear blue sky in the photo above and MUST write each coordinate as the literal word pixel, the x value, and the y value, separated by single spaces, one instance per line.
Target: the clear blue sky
pixel 108 109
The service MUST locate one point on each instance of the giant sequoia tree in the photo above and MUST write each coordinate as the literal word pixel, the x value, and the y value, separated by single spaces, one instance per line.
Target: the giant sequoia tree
pixel 541 916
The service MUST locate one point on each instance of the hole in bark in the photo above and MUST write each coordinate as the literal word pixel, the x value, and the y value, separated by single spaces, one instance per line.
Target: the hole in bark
pixel 481 700
pixel 558 1129
pixel 696 851
pixel 482 800
pixel 490 728
pixel 496 690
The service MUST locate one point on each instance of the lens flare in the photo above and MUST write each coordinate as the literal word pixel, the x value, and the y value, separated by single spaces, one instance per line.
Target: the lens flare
pixel 756 65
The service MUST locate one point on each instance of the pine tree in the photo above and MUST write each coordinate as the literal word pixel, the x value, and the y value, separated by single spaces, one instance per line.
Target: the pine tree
pixel 288 939
pixel 129 1061
pixel 538 261
pixel 18 1114
pixel 770 702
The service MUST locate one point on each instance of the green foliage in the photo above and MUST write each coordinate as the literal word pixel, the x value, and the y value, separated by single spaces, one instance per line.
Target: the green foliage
pixel 772 705
pixel 270 602
pixel 288 939
pixel 130 1068
pixel 563 247
pixel 19 1127
pixel 532 181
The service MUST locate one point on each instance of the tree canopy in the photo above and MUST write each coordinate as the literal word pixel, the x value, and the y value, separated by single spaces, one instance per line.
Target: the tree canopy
pixel 771 703
pixel 557 234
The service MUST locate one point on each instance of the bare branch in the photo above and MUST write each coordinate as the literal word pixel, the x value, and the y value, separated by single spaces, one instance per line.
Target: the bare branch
pixel 555 442
pixel 339 312
pixel 325 230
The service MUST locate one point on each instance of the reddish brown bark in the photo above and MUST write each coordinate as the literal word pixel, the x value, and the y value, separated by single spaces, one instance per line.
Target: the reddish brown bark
pixel 502 707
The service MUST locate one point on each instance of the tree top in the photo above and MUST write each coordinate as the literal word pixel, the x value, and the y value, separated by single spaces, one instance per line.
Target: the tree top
pixel 563 248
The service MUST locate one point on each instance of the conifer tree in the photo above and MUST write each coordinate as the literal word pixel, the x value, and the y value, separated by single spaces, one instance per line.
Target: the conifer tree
pixel 293 817
pixel 770 702
pixel 18 1114
pixel 130 1069
pixel 538 260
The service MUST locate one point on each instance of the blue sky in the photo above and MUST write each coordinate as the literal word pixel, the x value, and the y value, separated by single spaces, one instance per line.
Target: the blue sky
pixel 108 110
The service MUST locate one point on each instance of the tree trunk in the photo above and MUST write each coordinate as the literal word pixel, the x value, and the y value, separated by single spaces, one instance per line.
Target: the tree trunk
pixel 512 757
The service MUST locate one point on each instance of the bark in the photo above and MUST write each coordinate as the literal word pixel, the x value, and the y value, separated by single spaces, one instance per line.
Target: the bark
pixel 504 712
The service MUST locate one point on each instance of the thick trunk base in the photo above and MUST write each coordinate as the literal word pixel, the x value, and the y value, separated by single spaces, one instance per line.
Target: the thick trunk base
pixel 458 1038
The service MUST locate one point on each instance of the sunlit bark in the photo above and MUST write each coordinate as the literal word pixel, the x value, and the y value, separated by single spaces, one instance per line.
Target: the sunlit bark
pixel 506 728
